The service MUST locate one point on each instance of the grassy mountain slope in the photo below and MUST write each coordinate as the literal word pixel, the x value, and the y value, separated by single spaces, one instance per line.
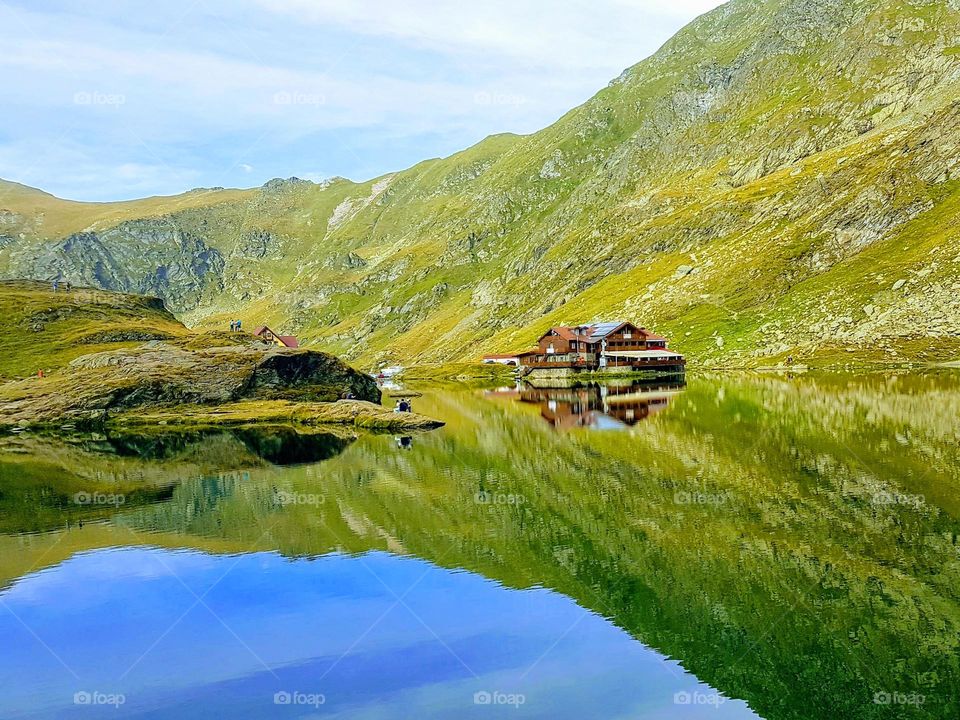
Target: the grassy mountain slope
pixel 779 179
pixel 47 330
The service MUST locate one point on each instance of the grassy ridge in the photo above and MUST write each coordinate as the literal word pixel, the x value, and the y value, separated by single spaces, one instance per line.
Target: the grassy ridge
pixel 46 329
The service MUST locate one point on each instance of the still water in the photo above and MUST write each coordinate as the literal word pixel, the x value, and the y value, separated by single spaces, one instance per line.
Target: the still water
pixel 736 547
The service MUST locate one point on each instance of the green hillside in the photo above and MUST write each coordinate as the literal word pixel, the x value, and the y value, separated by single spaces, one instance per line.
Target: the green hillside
pixel 780 179
pixel 46 330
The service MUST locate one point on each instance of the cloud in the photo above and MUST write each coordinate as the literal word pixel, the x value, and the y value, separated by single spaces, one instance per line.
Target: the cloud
pixel 105 103
pixel 580 33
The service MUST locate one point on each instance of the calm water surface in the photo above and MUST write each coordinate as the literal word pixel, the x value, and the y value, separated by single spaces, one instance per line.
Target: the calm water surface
pixel 733 548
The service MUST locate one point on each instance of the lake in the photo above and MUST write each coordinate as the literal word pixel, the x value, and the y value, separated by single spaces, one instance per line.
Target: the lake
pixel 732 547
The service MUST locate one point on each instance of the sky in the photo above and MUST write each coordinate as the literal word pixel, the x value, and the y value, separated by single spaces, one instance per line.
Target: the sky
pixel 118 99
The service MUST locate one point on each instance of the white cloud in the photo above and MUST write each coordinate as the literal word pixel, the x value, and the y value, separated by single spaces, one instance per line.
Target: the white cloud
pixel 100 103
pixel 581 33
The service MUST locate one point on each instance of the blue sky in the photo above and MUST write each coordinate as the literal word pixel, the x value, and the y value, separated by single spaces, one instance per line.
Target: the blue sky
pixel 124 98
pixel 187 635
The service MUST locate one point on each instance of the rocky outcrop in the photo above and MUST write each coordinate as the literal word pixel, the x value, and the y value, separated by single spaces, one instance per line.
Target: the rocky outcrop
pixel 195 370
pixel 147 257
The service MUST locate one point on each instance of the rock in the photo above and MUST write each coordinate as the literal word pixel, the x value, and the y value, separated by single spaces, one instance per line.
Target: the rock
pixel 683 271
pixel 898 284
pixel 196 370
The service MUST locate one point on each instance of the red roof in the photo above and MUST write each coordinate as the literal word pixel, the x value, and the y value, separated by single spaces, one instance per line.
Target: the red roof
pixel 289 341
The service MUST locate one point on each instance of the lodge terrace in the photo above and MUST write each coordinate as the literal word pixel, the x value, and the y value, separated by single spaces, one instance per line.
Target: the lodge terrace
pixel 605 346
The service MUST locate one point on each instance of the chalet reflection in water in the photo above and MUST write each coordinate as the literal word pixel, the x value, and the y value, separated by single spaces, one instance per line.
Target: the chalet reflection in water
pixel 600 407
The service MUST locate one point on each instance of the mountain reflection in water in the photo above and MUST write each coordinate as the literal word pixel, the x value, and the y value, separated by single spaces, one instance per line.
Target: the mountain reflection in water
pixel 791 545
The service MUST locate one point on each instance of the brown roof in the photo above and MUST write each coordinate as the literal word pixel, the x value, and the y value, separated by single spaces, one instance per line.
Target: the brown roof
pixel 596 332
pixel 567 333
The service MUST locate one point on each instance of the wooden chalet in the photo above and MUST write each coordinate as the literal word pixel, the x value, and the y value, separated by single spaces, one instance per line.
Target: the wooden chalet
pixel 269 336
pixel 602 346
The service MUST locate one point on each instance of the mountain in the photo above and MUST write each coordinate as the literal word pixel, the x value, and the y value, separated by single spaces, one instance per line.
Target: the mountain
pixel 780 178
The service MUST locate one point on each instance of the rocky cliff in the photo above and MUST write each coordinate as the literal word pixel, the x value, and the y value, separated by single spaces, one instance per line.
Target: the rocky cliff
pixel 781 178
pixel 93 362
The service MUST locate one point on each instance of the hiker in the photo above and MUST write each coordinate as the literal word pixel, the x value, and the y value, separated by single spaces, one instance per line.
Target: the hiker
pixel 405 406
pixel 40 373
pixel 66 286
pixel 233 326
pixel 398 407
pixel 56 285
pixel 238 326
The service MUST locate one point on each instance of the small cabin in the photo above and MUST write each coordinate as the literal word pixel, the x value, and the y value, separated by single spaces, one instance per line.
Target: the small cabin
pixel 269 336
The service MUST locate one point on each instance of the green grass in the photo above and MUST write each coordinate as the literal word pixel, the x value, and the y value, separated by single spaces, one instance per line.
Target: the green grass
pixel 46 329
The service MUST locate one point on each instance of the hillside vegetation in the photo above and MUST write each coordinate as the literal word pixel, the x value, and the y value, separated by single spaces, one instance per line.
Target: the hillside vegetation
pixel 780 179
pixel 105 356
pixel 46 330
